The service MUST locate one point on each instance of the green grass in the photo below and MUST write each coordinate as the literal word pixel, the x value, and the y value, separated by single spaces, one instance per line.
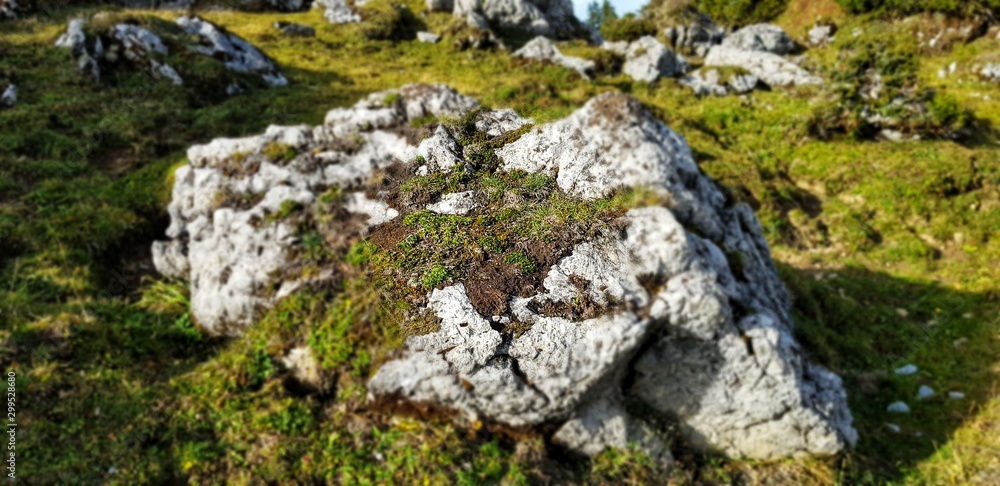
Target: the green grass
pixel 115 375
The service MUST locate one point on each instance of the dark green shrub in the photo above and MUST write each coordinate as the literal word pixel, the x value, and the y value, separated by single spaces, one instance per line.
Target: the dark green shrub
pixel 738 13
pixel 627 28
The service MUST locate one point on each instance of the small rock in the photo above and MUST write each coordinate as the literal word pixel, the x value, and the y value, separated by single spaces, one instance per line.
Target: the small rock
pixel 903 313
pixel 542 49
pixel 821 34
pixel 761 37
pixel 907 370
pixel 954 395
pixel 893 427
pixel 458 203
pixel 898 407
pixel 428 37
pixel 295 30
pixel 337 12
pixel 967 315
pixel 960 342
pixel 9 97
pixel 991 72
pixel 925 392
pixel 648 60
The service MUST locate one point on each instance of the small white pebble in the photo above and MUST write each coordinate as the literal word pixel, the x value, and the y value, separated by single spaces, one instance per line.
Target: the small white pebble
pixel 903 313
pixel 819 277
pixel 956 395
pixel 967 315
pixel 932 323
pixel 907 370
pixel 918 434
pixel 97 412
pixel 898 407
pixel 960 342
pixel 112 470
pixel 893 427
pixel 925 392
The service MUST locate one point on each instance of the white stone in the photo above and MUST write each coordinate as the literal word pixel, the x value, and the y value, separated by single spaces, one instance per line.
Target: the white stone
pixel 760 37
pixel 236 53
pixel 428 37
pixel 925 392
pixel 898 407
pixel 9 97
pixel 543 49
pixel 954 395
pixel 907 370
pixel 456 203
pixel 647 59
pixel 772 69
pixel 337 12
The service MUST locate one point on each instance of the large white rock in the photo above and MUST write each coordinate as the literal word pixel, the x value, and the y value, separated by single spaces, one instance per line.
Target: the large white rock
pixel 761 37
pixel 543 49
pixel 647 59
pixel 773 69
pixel 695 326
pixel 553 18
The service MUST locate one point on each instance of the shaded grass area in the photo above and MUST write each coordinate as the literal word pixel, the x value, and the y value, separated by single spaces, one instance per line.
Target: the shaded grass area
pixel 121 388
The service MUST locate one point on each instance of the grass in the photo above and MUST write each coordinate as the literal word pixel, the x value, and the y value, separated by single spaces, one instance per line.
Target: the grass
pixel 121 388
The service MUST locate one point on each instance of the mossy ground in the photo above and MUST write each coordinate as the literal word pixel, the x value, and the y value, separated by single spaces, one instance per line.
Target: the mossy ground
pixel 890 250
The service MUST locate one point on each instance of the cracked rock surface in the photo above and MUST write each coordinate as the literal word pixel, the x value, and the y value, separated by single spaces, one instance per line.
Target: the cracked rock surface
pixel 692 323
pixel 542 49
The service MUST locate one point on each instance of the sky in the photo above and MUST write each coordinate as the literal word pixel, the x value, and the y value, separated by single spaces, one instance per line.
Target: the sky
pixel 622 7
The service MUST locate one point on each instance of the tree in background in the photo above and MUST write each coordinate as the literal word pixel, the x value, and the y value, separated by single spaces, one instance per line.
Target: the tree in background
pixel 597 14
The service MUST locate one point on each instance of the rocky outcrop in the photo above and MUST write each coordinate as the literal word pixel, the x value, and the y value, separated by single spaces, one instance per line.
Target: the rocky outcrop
pixel 10 9
pixel 337 11
pixel 647 59
pixel 696 35
pixel 690 318
pixel 550 18
pixel 990 72
pixel 141 49
pixel 236 53
pixel 772 69
pixel 760 37
pixel 822 34
pixel 543 49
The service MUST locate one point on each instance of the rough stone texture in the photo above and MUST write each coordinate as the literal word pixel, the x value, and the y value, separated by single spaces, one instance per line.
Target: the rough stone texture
pixel 707 82
pixel 821 34
pixel 428 37
pixel 9 9
pixel 772 69
pixel 715 335
pixel 695 326
pixel 617 47
pixel 760 37
pixel 543 49
pixel 647 59
pixel 294 30
pixel 990 72
pixel 696 36
pixel 304 369
pixel 9 97
pixel 337 11
pixel 237 54
pixel 230 253
pixel 551 18
pixel 121 43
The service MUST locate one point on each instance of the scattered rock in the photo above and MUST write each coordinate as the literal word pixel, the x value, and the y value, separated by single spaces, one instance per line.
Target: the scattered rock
pixel 708 82
pixel 543 49
pixel 10 9
pixel 954 395
pixel 902 312
pixel 772 69
pixel 760 37
pixel 647 59
pixel 550 18
pixel 687 332
pixel 121 43
pixel 617 47
pixel 893 427
pixel 235 52
pixel 305 371
pixel 990 72
pixel 457 203
pixel 337 11
pixel 695 35
pixel 428 37
pixel 907 370
pixel 822 34
pixel 924 392
pixel 898 407
pixel 9 97
pixel 294 30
